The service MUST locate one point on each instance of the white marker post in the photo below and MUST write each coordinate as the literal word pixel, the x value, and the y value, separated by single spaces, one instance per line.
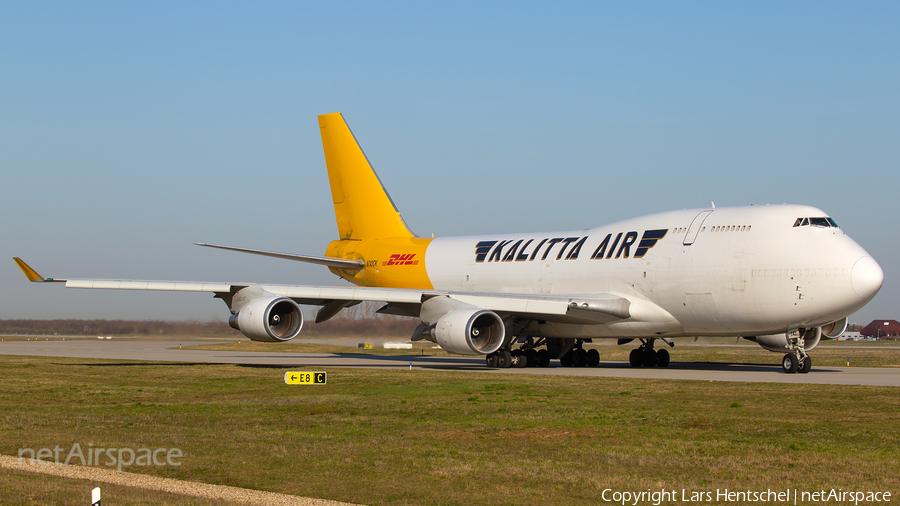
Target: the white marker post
pixel 95 496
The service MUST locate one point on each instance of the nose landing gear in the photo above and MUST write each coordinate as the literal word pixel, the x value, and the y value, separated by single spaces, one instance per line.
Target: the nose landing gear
pixel 796 362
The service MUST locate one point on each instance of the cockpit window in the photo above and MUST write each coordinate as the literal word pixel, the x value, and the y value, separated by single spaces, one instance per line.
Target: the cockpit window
pixel 816 222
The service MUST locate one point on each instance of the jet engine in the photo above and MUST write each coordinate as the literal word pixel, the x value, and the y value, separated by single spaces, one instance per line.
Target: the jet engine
pixel 834 329
pixel 780 343
pixel 270 319
pixel 470 332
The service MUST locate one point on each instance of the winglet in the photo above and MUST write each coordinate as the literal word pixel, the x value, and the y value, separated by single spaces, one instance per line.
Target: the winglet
pixel 29 272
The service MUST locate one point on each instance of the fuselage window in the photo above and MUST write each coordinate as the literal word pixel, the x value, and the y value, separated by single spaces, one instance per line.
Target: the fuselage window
pixel 819 222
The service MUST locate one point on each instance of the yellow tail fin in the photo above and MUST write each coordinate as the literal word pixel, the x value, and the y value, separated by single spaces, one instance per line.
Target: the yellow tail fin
pixel 362 206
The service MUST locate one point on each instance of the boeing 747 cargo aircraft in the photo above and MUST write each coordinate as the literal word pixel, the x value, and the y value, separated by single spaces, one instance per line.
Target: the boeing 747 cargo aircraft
pixel 782 276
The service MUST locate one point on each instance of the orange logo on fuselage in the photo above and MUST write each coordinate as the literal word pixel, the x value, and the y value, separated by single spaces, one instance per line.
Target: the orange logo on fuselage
pixel 398 259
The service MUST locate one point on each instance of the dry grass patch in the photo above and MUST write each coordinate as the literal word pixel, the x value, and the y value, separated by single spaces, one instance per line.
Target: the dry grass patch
pixel 17 487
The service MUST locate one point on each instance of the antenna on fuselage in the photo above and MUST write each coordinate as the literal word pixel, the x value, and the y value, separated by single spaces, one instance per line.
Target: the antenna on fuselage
pixel 713 204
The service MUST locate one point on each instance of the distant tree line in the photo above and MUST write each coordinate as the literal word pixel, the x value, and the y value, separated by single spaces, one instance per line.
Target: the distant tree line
pixel 358 320
pixel 115 327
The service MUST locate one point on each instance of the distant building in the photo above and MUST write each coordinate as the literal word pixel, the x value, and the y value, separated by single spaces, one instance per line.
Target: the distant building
pixel 850 336
pixel 881 329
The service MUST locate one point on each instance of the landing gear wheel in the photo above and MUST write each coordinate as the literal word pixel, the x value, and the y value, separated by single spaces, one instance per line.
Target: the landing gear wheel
pixel 566 360
pixel 493 360
pixel 790 363
pixel 579 358
pixel 520 360
pixel 543 358
pixel 634 358
pixel 662 358
pixel 505 359
pixel 806 365
pixel 649 358
pixel 593 358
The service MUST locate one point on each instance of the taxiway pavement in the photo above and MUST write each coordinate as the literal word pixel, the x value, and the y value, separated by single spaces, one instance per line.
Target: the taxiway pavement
pixel 168 351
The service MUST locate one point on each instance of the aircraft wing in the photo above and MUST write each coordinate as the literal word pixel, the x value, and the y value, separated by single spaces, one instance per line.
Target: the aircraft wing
pixel 596 308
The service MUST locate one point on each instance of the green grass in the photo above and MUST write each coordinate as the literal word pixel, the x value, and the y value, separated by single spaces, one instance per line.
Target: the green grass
pixel 429 437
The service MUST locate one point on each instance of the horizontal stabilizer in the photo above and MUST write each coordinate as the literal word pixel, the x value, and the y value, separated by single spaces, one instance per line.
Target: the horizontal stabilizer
pixel 340 263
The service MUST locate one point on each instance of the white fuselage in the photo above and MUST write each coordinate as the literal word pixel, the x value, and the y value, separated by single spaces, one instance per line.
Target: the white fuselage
pixel 726 271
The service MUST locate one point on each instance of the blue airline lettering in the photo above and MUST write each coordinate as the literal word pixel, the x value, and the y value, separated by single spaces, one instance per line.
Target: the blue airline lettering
pixel 613 247
pixel 550 247
pixel 630 237
pixel 511 254
pixel 567 241
pixel 576 249
pixel 498 250
pixel 536 249
pixel 522 256
pixel 620 247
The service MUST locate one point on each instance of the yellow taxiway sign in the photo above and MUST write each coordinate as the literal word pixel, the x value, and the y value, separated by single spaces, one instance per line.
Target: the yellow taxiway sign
pixel 304 378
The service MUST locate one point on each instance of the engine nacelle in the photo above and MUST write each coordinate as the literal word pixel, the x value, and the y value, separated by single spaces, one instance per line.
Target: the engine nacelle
pixel 779 342
pixel 834 329
pixel 470 332
pixel 270 319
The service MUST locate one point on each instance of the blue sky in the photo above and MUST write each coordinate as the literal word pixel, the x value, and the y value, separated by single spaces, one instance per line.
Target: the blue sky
pixel 130 130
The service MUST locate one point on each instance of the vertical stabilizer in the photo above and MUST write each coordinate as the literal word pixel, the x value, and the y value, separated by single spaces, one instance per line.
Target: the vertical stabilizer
pixel 362 206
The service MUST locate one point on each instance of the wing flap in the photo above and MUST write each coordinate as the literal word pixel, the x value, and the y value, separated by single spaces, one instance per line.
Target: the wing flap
pixel 170 286
pixel 516 305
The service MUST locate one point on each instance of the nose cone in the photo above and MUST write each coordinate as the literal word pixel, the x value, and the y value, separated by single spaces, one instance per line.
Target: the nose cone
pixel 866 277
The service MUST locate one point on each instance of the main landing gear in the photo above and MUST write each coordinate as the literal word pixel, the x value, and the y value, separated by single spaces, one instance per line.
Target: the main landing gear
pixel 571 353
pixel 505 359
pixel 648 357
pixel 577 356
pixel 526 356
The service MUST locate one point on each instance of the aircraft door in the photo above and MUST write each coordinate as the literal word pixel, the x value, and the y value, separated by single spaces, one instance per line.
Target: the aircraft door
pixel 694 229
